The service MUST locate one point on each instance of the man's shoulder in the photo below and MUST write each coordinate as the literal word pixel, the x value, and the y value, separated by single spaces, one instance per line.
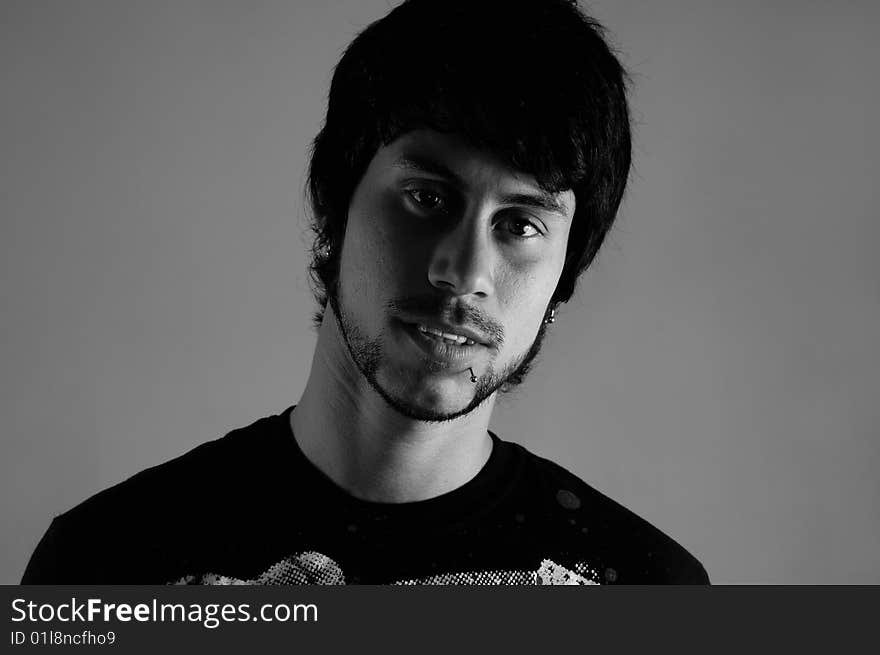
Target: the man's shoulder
pixel 202 469
pixel 632 550
pixel 184 496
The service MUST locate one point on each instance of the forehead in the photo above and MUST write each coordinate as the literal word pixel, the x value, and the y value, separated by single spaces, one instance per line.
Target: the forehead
pixel 451 157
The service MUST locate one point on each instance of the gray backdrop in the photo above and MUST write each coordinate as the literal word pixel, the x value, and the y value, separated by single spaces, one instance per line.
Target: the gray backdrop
pixel 717 371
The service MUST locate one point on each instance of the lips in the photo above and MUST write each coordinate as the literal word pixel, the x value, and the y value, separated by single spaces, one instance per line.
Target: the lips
pixel 443 346
pixel 443 328
pixel 450 337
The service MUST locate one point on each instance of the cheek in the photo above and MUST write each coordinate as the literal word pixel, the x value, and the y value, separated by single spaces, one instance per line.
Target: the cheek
pixel 524 293
pixel 524 297
pixel 373 252
pixel 387 236
pixel 529 279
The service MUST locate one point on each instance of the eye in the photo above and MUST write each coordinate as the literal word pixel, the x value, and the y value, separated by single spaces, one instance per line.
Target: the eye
pixel 427 199
pixel 521 228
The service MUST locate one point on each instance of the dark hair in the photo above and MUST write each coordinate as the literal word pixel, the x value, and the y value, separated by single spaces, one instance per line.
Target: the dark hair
pixel 533 81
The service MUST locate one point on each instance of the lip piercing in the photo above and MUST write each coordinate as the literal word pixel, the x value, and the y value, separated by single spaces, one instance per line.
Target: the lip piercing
pixel 473 377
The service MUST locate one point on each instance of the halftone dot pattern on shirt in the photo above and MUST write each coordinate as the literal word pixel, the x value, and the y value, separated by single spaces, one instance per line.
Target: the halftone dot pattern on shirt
pixel 314 568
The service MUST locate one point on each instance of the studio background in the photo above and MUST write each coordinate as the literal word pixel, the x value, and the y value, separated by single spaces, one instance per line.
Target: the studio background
pixel 717 371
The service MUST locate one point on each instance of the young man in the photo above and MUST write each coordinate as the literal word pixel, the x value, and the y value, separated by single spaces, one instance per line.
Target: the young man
pixel 473 157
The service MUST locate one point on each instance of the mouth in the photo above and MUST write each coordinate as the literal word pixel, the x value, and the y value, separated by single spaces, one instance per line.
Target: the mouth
pixel 445 346
pixel 448 337
pixel 448 332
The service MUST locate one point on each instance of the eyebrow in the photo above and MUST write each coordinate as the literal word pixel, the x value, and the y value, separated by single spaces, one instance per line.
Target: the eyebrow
pixel 540 199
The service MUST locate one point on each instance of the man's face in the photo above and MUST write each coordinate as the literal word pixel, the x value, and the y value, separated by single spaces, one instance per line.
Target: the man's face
pixel 448 264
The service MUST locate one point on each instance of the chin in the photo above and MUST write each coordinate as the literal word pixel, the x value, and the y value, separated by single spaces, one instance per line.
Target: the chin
pixel 429 400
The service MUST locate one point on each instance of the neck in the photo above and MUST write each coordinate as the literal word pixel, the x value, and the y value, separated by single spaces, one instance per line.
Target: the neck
pixel 368 448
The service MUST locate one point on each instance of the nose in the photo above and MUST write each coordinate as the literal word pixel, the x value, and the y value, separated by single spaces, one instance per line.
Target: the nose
pixel 461 262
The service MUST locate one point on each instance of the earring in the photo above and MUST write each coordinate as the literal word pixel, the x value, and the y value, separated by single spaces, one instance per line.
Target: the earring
pixel 551 316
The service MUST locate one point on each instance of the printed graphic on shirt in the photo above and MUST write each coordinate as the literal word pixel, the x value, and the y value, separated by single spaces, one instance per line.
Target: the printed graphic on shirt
pixel 314 568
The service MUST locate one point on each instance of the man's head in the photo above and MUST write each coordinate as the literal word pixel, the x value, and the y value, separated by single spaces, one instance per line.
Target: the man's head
pixel 472 160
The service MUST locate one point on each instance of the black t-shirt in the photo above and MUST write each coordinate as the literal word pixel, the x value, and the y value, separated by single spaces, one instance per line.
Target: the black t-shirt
pixel 250 508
